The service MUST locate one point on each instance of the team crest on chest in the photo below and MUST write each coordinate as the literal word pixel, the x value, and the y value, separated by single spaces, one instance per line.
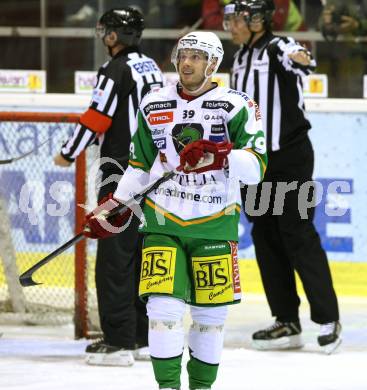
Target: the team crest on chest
pixel 186 133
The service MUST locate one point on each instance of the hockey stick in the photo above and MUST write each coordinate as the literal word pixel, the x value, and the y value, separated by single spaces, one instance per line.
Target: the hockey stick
pixel 188 29
pixel 11 160
pixel 25 278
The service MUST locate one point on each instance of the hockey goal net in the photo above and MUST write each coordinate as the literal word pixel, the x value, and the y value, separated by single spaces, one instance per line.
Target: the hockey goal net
pixel 41 207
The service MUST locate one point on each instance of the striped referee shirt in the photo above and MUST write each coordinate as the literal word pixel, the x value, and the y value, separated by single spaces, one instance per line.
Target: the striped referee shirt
pixel 265 72
pixel 111 117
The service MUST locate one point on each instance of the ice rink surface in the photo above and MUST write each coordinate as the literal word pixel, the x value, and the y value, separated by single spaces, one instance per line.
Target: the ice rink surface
pixel 40 358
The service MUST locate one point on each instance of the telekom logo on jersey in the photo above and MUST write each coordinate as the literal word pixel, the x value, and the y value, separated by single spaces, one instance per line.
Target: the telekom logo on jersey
pixel 160 118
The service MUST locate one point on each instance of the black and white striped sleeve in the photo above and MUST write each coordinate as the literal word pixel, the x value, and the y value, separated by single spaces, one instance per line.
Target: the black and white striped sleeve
pixel 97 119
pixel 281 47
pixel 80 140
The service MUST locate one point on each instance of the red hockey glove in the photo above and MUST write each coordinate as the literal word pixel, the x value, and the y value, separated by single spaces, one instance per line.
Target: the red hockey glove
pixel 96 224
pixel 203 155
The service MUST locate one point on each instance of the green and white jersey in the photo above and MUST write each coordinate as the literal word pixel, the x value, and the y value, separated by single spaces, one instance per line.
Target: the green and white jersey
pixel 203 205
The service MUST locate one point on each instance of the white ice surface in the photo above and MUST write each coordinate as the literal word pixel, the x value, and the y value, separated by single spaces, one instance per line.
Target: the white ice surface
pixel 40 358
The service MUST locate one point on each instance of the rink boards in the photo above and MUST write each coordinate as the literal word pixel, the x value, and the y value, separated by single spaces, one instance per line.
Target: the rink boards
pixel 350 278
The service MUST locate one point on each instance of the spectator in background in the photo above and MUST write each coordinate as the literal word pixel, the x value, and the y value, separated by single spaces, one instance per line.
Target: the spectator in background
pixel 212 14
pixel 84 13
pixel 340 18
pixel 286 16
pixel 345 61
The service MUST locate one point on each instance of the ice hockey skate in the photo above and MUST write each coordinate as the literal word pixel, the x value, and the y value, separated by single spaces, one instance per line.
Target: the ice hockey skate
pixel 329 338
pixel 280 335
pixel 101 353
pixel 141 354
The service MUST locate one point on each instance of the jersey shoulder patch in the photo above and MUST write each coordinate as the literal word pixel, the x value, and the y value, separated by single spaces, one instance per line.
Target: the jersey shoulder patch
pixel 239 98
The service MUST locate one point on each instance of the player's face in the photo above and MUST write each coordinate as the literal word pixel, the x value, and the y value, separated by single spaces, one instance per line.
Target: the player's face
pixel 191 68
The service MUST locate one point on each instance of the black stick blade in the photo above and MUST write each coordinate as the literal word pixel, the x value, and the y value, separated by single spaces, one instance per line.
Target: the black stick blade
pixel 9 161
pixel 27 281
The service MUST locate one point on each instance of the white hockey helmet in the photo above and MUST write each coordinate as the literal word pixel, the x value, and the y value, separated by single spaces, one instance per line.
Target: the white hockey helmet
pixel 205 41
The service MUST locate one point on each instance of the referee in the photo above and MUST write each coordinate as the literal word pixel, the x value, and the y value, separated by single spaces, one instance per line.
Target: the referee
pixel 270 68
pixel 110 121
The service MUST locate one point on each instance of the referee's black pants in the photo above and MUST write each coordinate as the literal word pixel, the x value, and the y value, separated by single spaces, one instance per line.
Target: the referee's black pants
pixel 122 314
pixel 286 243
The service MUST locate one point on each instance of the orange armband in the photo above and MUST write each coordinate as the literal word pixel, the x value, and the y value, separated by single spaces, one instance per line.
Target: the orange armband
pixel 95 121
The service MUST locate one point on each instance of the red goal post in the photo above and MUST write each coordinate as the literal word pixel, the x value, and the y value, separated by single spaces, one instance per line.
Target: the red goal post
pixel 28 234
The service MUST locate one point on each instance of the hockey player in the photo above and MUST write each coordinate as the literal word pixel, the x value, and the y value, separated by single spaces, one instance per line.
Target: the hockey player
pixel 213 135
pixel 111 120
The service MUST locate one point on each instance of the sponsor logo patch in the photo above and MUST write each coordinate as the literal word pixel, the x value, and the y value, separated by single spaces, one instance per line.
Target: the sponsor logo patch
pixel 157 106
pixel 216 138
pixel 218 246
pixel 257 112
pixel 159 131
pixel 235 268
pixel 213 279
pixel 214 117
pixel 160 118
pixel 218 129
pixel 157 270
pixel 189 41
pixel 215 104
pixel 145 66
pixel 261 64
pixel 160 143
pixel 97 95
pixel 155 87
pixel 249 101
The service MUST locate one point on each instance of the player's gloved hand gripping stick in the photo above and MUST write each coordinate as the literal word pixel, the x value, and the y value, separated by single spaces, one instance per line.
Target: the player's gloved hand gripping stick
pixel 103 222
pixel 117 217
